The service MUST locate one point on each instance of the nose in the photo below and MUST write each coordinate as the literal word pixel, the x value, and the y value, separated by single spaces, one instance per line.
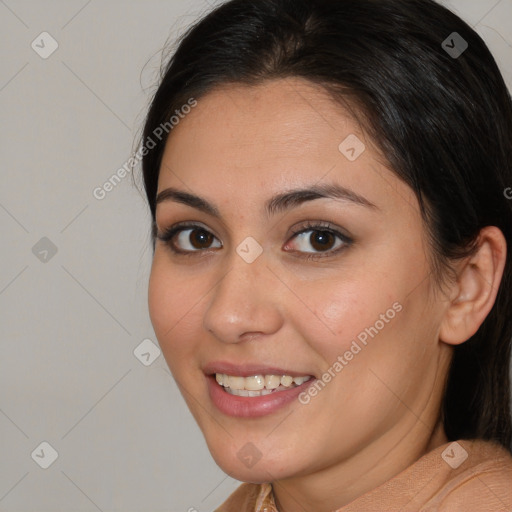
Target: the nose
pixel 245 302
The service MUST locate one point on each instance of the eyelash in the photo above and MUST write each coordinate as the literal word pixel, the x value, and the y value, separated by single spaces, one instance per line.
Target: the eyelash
pixel 325 227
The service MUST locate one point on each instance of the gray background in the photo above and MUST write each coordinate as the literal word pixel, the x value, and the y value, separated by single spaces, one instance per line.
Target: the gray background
pixel 70 321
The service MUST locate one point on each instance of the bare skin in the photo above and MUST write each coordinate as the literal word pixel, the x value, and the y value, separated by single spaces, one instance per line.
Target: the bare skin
pixel 381 412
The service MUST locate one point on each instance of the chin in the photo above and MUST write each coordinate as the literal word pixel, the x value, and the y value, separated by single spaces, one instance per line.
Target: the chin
pixel 249 465
pixel 258 474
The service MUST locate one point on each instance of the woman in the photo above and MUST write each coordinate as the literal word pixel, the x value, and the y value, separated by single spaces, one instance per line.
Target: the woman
pixel 332 276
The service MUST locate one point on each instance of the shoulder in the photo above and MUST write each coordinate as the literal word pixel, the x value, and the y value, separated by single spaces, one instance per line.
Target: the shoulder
pixel 483 481
pixel 243 499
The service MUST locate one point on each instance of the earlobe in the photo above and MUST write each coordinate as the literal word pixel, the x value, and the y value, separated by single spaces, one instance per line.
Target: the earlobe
pixel 475 291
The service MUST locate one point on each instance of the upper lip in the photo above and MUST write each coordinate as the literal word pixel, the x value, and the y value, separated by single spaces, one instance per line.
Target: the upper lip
pixel 249 369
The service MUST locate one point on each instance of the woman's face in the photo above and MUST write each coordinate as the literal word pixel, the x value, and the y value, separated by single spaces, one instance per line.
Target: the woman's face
pixel 268 287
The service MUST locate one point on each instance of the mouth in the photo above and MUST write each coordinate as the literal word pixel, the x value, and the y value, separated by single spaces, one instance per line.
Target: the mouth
pixel 258 385
pixel 257 394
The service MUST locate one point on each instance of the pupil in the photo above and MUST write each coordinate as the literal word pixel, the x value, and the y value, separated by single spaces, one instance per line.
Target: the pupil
pixel 322 239
pixel 201 237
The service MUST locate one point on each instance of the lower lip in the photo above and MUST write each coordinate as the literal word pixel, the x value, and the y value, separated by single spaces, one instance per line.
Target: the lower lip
pixel 252 407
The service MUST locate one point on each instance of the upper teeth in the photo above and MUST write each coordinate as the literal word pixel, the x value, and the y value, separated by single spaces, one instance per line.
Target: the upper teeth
pixel 258 382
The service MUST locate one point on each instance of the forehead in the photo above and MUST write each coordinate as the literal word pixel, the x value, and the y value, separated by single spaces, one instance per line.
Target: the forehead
pixel 287 115
pixel 261 140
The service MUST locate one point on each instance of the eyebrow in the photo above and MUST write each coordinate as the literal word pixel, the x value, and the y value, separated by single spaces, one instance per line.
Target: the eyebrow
pixel 274 205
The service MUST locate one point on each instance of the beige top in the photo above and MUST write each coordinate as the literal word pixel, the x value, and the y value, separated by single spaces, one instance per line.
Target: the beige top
pixel 461 476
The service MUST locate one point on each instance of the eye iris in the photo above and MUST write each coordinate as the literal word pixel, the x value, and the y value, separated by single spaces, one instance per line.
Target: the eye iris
pixel 321 240
pixel 202 237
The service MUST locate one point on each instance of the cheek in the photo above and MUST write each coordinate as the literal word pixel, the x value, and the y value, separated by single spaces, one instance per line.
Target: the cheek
pixel 385 341
pixel 173 311
pixel 342 311
pixel 160 297
pixel 369 333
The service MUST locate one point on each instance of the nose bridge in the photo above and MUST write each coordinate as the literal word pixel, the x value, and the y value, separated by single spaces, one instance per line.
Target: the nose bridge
pixel 247 266
pixel 242 301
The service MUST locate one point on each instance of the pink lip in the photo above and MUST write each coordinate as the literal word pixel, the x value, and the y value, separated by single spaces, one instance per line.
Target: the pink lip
pixel 248 370
pixel 252 407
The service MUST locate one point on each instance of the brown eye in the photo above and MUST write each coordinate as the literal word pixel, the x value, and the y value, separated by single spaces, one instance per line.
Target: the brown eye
pixel 321 239
pixel 200 238
pixel 192 239
pixel 187 239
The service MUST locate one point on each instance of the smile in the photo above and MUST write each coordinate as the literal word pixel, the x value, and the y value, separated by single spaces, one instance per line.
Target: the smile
pixel 258 385
pixel 240 402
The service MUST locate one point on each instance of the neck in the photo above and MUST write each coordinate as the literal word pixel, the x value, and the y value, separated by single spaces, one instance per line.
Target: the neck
pixel 366 470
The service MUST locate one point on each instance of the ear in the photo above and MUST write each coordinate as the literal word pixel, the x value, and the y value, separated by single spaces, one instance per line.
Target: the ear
pixel 475 290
